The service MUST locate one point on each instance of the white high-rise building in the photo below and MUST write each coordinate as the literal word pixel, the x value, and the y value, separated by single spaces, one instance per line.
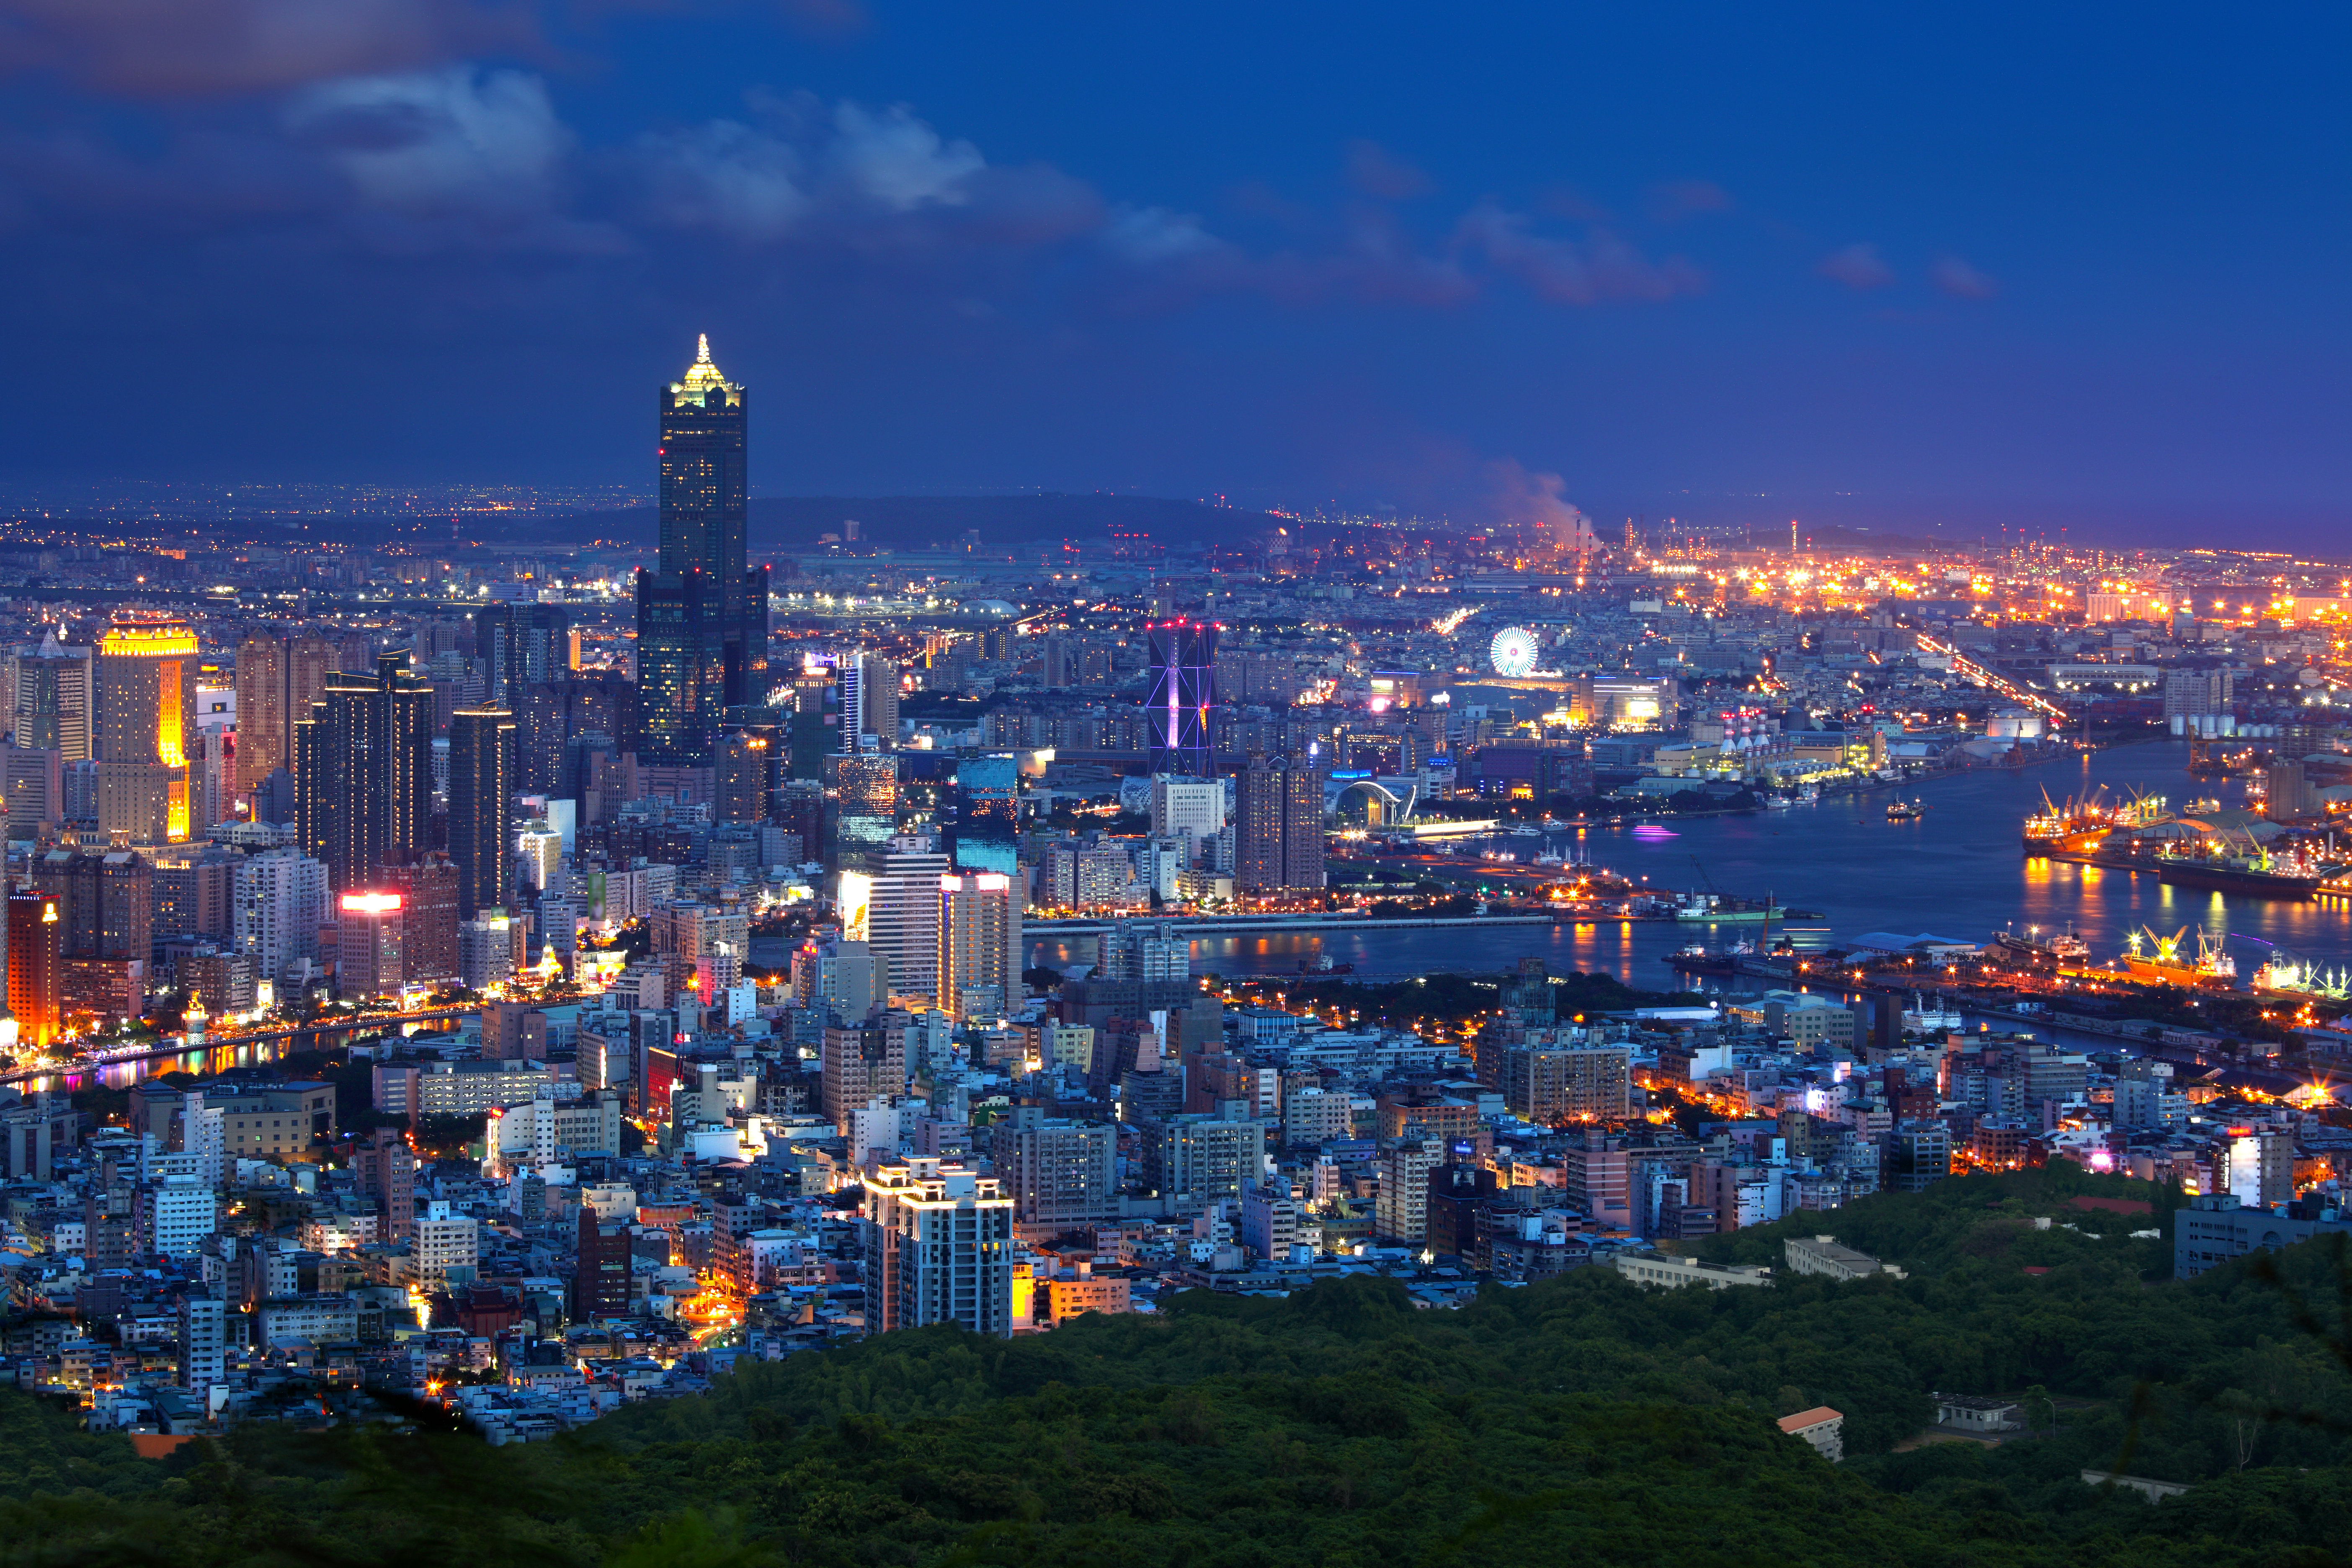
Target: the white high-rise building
pixel 445 1241
pixel 175 1215
pixel 204 1339
pixel 280 901
pixel 938 1248
pixel 1180 805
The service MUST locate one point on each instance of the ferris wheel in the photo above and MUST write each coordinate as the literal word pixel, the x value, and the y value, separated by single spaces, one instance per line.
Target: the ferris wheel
pixel 1513 651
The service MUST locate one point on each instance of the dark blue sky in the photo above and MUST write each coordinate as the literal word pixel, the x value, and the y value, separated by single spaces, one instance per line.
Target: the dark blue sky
pixel 2049 266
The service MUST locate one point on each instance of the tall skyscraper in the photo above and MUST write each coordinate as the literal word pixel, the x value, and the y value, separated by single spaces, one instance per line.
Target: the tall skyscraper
pixel 1279 836
pixel 891 903
pixel 364 772
pixel 876 708
pixel 261 716
pixel 35 966
pixel 481 806
pixel 524 644
pixel 987 820
pixel 979 946
pixel 753 759
pixel 1183 689
pixel 703 617
pixel 865 808
pixel 53 697
pixel 146 712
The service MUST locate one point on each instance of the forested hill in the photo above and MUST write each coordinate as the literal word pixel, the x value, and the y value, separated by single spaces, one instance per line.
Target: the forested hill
pixel 1581 1420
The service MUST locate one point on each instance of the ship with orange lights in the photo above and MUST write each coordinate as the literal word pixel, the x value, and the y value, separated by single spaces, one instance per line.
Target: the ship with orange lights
pixel 2166 961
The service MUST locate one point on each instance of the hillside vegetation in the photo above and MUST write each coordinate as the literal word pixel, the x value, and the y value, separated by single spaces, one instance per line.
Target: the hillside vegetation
pixel 1578 1420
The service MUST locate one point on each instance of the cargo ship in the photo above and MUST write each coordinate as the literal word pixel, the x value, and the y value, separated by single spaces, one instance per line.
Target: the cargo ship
pixel 1905 810
pixel 2078 828
pixel 2225 866
pixel 2165 963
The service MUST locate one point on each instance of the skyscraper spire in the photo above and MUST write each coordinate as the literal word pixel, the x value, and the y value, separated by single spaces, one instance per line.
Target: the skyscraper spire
pixel 702 348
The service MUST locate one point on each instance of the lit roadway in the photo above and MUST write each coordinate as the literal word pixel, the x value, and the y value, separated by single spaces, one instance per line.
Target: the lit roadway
pixel 178 1045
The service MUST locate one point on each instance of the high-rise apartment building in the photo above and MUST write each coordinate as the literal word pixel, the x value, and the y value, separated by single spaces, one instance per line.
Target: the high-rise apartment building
pixel 1279 844
pixel 261 717
pixel 368 962
pixel 364 772
pixel 445 1241
pixel 204 1339
pixel 34 780
pixel 979 946
pixel 428 895
pixel 523 646
pixel 278 902
pixel 146 723
pixel 702 615
pixel 1183 688
pixel 860 1062
pixel 1196 1158
pixel 1057 1172
pixel 1550 1084
pixel 481 806
pixel 1400 1208
pixel 55 695
pixel 938 1248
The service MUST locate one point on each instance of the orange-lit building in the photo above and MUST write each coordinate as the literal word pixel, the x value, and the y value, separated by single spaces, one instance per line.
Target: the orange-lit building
pixel 35 966
pixel 146 721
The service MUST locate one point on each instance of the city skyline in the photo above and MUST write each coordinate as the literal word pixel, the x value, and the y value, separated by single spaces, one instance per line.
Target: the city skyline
pixel 1721 271
pixel 1334 786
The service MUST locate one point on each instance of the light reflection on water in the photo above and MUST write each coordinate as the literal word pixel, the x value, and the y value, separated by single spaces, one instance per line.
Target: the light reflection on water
pixel 1958 872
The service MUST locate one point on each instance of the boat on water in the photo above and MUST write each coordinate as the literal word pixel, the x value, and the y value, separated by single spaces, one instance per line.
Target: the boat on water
pixel 2035 951
pixel 1718 907
pixel 2166 960
pixel 2222 863
pixel 1920 1017
pixel 2283 972
pixel 1905 810
pixel 1526 830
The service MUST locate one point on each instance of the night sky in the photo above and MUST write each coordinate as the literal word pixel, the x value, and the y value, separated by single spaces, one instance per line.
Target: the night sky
pixel 1903 266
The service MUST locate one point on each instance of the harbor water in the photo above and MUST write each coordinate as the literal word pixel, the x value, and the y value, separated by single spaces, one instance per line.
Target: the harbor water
pixel 1956 870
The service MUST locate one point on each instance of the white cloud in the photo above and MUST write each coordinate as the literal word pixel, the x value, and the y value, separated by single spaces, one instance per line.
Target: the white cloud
pixel 725 176
pixel 897 161
pixel 455 141
pixel 1150 236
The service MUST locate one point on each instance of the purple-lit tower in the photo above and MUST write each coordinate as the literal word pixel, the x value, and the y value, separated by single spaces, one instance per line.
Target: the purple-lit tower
pixel 1183 688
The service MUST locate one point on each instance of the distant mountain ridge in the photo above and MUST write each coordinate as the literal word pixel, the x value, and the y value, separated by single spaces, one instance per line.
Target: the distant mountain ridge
pixel 781 523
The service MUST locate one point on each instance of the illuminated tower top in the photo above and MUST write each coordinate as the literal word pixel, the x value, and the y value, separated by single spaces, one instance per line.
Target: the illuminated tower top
pixel 146 703
pixel 703 485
